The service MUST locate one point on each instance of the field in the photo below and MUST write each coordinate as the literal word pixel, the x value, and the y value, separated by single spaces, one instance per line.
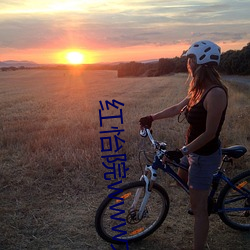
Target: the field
pixel 51 173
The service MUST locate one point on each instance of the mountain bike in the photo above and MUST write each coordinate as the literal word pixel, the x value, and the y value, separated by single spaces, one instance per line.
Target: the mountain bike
pixel 142 206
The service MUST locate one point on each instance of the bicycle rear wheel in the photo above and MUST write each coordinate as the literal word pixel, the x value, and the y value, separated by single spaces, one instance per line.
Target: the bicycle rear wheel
pixel 116 223
pixel 233 205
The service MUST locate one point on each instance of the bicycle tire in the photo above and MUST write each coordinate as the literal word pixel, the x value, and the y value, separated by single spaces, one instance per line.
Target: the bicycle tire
pixel 232 199
pixel 157 209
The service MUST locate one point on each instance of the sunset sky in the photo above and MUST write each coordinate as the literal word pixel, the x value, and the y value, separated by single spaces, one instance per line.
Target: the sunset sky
pixel 117 30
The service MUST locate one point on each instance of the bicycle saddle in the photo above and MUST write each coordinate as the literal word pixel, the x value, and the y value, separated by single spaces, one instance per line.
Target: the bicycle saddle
pixel 234 151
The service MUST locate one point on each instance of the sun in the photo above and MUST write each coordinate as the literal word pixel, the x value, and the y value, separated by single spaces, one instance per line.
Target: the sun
pixel 75 57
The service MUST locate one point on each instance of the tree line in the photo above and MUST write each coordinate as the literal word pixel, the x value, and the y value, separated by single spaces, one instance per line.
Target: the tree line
pixel 233 62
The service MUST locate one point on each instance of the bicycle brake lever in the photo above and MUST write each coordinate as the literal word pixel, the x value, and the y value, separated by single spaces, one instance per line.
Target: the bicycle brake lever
pixel 143 132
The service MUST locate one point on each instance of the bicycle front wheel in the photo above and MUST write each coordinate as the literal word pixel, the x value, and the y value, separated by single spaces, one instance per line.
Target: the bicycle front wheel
pixel 234 205
pixel 116 223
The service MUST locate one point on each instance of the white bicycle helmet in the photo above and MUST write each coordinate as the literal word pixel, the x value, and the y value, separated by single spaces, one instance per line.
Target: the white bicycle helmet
pixel 205 52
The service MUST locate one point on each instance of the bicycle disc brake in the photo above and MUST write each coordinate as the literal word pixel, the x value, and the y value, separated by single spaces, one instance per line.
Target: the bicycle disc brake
pixel 132 217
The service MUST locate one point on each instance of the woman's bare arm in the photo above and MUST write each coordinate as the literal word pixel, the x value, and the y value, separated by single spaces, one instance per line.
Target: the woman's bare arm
pixel 171 111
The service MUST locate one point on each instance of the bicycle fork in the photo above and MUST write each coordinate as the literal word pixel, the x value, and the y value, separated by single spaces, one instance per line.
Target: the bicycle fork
pixel 148 188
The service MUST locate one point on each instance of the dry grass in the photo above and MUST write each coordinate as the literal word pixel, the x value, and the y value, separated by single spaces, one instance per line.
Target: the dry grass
pixel 51 178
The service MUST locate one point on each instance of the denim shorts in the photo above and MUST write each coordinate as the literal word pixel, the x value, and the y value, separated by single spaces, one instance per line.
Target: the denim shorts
pixel 201 169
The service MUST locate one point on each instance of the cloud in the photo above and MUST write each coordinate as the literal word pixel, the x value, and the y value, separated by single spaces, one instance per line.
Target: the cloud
pixel 210 8
pixel 221 36
pixel 122 24
pixel 25 32
pixel 8 3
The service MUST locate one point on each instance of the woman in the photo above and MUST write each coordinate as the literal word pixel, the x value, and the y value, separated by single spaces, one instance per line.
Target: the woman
pixel 206 105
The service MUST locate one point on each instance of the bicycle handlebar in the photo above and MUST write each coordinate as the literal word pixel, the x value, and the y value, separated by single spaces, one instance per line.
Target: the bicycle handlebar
pixel 146 132
pixel 157 145
pixel 151 137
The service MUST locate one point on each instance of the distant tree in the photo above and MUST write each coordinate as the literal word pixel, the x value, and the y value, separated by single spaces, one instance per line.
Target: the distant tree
pixel 180 64
pixel 134 69
pixel 245 59
pixel 232 62
pixel 236 61
pixel 166 66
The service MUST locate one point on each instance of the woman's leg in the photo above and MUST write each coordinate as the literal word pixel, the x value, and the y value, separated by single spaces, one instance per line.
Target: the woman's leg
pixel 198 199
pixel 183 174
pixel 201 172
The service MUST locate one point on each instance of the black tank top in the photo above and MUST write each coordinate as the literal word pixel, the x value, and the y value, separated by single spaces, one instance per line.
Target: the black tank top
pixel 196 117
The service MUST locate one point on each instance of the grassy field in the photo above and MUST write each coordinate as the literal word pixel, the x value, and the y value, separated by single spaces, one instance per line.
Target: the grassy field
pixel 51 177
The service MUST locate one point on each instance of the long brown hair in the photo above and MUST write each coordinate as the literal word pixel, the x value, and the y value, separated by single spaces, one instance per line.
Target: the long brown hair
pixel 202 74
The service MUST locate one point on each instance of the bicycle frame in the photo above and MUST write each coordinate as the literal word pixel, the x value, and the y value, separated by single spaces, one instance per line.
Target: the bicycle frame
pixel 146 203
pixel 150 176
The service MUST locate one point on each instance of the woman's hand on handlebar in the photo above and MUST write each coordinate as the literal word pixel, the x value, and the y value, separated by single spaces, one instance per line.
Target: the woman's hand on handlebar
pixel 175 155
pixel 146 122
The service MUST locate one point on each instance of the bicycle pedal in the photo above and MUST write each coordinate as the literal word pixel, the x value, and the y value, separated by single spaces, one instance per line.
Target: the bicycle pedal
pixel 247 204
pixel 190 211
pixel 246 214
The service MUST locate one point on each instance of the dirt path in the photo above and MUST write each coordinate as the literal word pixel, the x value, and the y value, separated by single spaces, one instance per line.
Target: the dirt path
pixel 237 79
